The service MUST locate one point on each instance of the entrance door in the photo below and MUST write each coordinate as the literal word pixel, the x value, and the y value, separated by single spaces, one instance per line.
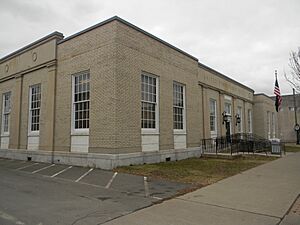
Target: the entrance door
pixel 227 125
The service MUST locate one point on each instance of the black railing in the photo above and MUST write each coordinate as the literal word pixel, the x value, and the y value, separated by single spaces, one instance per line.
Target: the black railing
pixel 238 143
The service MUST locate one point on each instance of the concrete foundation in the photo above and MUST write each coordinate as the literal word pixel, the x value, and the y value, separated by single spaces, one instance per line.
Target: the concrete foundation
pixel 103 161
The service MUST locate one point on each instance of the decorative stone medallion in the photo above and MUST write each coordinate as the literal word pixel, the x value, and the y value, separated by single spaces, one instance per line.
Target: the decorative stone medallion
pixel 34 56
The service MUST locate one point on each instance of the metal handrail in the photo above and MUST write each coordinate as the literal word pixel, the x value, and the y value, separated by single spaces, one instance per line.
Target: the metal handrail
pixel 236 143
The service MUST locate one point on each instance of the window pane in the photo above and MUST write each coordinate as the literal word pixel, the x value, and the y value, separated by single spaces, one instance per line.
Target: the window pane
pixel 81 101
pixel 213 122
pixel 178 106
pixel 249 121
pixel 148 97
pixel 35 105
pixel 6 111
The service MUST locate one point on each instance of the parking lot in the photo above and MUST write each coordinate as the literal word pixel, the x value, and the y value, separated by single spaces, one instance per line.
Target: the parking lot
pixel 40 193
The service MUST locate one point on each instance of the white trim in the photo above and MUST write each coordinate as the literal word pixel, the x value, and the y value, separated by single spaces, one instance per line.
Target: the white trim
pixel 5 134
pixel 183 130
pixel 33 142
pixel 179 131
pixel 31 133
pixel 151 130
pixel 4 142
pixel 150 142
pixel 80 143
pixel 184 111
pixel 229 114
pixel 213 133
pixel 82 131
pixel 249 121
pixel 72 106
pixel 179 141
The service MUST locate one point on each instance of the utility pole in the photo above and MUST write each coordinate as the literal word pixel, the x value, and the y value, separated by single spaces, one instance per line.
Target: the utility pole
pixel 297 127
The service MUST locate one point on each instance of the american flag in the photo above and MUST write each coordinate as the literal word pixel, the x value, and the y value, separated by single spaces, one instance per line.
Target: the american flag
pixel 277 93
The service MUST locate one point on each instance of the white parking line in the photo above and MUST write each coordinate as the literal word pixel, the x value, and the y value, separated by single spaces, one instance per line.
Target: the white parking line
pixel 46 167
pixel 146 186
pixel 64 170
pixel 23 167
pixel 111 180
pixel 158 198
pixel 84 175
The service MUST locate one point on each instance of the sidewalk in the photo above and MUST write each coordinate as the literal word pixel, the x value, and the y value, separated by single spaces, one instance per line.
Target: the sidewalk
pixel 262 195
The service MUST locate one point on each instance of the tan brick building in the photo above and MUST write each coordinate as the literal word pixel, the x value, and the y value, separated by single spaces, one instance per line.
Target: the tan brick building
pixel 111 95
pixel 266 118
pixel 286 117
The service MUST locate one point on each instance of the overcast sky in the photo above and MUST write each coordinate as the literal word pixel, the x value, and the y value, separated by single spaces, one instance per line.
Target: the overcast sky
pixel 245 40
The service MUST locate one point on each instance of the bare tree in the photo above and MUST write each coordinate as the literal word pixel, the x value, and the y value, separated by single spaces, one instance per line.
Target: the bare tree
pixel 294 63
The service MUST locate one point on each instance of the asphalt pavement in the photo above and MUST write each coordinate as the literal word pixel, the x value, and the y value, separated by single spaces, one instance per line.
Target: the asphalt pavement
pixel 47 194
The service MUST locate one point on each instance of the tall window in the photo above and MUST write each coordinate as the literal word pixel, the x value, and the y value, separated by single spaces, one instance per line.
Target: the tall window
pixel 249 121
pixel 178 106
pixel 35 107
pixel 149 102
pixel 228 108
pixel 6 113
pixel 240 125
pixel 213 115
pixel 81 100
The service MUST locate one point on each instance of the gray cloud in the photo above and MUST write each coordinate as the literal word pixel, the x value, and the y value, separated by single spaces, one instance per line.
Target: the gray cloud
pixel 246 40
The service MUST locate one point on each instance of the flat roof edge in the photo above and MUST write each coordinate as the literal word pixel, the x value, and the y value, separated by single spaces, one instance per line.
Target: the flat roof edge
pixel 116 18
pixel 263 94
pixel 23 49
pixel 87 29
pixel 224 76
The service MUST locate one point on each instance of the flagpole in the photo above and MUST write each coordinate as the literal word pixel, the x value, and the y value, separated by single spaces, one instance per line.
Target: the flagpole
pixel 276 83
pixel 279 129
pixel 296 122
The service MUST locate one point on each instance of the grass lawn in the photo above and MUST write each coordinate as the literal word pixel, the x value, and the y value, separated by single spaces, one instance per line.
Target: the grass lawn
pixel 292 148
pixel 197 171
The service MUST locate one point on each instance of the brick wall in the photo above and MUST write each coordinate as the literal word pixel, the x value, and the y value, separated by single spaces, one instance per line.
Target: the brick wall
pixel 262 105
pixel 136 53
pixel 93 51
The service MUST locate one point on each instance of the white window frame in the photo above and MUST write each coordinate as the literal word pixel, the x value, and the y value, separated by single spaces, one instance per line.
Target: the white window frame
pixel 229 114
pixel 183 130
pixel 5 133
pixel 78 131
pixel 249 121
pixel 230 108
pixel 214 102
pixel 34 132
pixel 156 129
